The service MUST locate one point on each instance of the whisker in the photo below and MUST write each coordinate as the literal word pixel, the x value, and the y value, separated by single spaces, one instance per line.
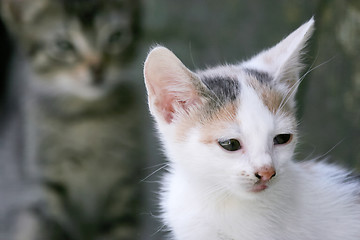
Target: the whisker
pixel 191 56
pixel 292 91
pixel 297 84
pixel 154 166
pixel 158 230
pixel 157 170
pixel 331 149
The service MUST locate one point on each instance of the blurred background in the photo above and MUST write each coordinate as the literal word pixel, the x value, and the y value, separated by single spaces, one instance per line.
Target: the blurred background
pixel 201 33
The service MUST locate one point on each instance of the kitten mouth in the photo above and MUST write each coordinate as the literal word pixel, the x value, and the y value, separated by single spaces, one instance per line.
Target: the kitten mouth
pixel 259 187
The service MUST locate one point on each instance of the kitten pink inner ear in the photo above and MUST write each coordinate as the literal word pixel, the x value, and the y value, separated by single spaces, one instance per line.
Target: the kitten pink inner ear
pixel 169 84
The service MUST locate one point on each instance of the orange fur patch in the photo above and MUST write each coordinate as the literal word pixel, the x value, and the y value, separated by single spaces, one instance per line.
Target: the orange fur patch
pixel 226 115
pixel 270 97
pixel 185 124
pixel 210 121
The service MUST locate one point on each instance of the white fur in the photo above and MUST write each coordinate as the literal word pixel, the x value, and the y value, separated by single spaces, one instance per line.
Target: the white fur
pixel 207 193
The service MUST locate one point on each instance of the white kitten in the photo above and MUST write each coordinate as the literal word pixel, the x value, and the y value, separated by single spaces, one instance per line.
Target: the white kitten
pixel 229 133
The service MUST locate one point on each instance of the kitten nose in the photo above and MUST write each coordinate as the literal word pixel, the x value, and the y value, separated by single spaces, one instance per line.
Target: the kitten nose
pixel 97 74
pixel 265 173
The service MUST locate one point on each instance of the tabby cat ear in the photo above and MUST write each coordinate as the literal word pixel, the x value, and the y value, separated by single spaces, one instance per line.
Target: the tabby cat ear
pixel 283 61
pixel 17 12
pixel 170 85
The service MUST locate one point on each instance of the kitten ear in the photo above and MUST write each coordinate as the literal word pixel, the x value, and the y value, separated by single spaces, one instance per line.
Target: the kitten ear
pixel 18 12
pixel 170 85
pixel 283 61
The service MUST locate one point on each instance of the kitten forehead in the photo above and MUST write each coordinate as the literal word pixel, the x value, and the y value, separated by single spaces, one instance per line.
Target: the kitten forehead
pixel 222 81
pixel 225 84
pixel 225 88
pixel 270 97
pixel 261 76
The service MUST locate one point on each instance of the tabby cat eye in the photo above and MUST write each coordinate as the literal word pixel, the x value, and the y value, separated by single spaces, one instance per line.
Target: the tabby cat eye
pixel 64 45
pixel 115 37
pixel 61 50
pixel 230 144
pixel 282 139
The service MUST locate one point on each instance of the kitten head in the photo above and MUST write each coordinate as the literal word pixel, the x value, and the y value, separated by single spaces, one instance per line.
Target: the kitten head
pixel 233 127
pixel 78 47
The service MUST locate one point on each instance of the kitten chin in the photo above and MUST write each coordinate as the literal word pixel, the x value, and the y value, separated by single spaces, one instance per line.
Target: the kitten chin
pixel 87 93
pixel 68 84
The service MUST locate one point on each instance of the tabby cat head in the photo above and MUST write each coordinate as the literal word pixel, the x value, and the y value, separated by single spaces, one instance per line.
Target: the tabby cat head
pixel 76 47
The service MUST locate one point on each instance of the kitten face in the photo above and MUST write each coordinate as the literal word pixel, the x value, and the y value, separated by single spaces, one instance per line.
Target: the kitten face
pixel 223 147
pixel 232 128
pixel 75 47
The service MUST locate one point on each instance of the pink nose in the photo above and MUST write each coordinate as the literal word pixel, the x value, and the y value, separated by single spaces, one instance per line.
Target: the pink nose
pixel 265 173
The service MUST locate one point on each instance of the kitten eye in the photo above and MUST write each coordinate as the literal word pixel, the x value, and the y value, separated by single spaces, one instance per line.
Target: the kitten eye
pixel 230 144
pixel 64 45
pixel 117 42
pixel 282 139
pixel 61 50
pixel 115 37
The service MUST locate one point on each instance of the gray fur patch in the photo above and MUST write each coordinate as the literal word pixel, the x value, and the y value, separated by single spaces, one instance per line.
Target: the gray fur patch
pixel 261 76
pixel 224 88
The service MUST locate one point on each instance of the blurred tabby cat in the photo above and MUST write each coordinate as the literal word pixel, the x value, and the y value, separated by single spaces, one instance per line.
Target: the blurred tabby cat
pixel 81 116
